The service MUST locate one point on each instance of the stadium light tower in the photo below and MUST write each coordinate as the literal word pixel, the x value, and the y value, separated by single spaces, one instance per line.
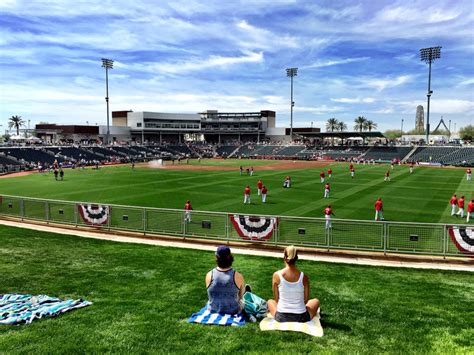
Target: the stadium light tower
pixel 107 64
pixel 291 72
pixel 429 55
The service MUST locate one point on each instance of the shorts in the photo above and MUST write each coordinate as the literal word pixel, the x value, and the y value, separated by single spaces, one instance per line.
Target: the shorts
pixel 292 317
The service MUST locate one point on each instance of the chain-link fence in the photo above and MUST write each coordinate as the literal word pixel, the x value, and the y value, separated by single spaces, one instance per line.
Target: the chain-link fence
pixel 378 236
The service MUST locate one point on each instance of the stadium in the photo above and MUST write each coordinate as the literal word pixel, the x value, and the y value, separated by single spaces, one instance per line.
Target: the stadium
pixel 110 233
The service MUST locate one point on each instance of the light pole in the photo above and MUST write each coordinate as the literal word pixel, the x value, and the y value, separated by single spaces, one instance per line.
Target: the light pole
pixel 291 72
pixel 401 130
pixel 107 64
pixel 429 55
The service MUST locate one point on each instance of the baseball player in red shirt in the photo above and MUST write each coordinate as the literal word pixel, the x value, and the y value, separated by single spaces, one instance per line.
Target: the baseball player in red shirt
pixel 387 176
pixel 379 209
pixel 470 209
pixel 187 211
pixel 326 190
pixel 454 204
pixel 259 187
pixel 329 173
pixel 247 195
pixel 351 166
pixel 352 172
pixel 468 175
pixel 264 194
pixel 322 176
pixel 327 215
pixel 461 207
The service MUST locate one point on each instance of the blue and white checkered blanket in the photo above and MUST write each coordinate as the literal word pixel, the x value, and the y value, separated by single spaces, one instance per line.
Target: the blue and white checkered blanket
pixel 18 308
pixel 204 316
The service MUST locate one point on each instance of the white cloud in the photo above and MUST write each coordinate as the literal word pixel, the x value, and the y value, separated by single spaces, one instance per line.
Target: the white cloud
pixel 328 63
pixel 346 100
pixel 196 64
pixel 381 84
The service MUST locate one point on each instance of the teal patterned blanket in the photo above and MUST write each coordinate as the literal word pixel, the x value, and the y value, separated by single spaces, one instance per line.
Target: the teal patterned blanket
pixel 20 308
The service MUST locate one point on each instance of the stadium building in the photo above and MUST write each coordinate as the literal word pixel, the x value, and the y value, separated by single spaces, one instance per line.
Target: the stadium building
pixel 210 126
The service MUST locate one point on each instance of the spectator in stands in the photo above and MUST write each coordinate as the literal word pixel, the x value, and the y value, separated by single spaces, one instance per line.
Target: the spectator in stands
pixel 225 286
pixel 291 291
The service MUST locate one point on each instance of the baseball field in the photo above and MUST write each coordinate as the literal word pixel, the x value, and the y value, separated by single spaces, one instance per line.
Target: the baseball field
pixel 216 185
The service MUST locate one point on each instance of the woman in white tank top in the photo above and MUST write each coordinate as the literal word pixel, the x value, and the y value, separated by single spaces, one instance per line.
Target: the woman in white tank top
pixel 291 301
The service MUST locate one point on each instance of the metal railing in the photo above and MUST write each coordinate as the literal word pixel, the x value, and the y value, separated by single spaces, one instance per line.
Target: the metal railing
pixel 381 236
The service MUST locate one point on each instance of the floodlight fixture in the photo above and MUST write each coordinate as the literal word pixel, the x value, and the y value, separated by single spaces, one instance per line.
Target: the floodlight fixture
pixel 291 72
pixel 429 55
pixel 107 64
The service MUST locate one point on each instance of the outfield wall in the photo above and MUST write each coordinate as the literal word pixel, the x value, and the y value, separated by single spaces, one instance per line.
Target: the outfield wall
pixel 374 236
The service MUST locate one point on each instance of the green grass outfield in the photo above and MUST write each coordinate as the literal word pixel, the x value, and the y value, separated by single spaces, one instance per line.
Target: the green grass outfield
pixel 420 197
pixel 143 294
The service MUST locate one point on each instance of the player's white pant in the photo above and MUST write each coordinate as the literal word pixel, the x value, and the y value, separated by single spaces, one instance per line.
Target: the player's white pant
pixel 187 216
pixel 247 198
pixel 322 180
pixel 468 177
pixel 251 172
pixel 468 216
pixel 326 193
pixel 453 210
pixel 461 212
pixel 259 191
pixel 264 198
pixel 352 175
pixel 386 178
pixel 328 221
pixel 411 170
pixel 379 214
pixel 330 175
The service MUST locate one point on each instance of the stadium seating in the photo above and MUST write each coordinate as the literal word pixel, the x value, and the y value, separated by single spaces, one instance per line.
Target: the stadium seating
pixel 225 150
pixel 387 153
pixel 32 155
pixel 432 154
pixel 76 154
pixel 291 151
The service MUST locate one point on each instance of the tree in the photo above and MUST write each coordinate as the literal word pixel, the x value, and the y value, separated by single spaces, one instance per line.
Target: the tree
pixel 16 122
pixel 332 124
pixel 392 133
pixel 370 125
pixel 341 126
pixel 467 133
pixel 359 123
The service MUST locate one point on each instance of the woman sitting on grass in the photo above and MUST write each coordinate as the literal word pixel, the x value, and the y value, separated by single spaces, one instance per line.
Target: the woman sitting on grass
pixel 225 286
pixel 291 301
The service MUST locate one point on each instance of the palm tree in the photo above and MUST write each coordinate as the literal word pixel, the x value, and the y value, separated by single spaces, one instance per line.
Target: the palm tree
pixel 332 125
pixel 370 125
pixel 359 123
pixel 16 122
pixel 341 126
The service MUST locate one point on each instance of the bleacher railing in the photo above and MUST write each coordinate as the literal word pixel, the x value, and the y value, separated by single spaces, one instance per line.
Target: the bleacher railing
pixel 374 236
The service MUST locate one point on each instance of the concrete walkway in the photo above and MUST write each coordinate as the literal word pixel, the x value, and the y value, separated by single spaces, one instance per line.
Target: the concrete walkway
pixel 463 265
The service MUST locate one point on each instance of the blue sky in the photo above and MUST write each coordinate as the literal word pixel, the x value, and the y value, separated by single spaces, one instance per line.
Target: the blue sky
pixel 354 58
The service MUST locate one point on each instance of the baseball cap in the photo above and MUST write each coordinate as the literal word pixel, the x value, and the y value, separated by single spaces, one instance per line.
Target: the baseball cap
pixel 223 251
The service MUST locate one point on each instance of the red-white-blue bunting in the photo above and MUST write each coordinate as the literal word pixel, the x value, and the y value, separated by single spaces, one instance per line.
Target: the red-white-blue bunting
pixel 253 227
pixel 463 238
pixel 94 214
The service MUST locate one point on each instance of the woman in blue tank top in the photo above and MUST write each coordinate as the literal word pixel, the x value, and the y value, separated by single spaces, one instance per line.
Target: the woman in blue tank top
pixel 225 286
